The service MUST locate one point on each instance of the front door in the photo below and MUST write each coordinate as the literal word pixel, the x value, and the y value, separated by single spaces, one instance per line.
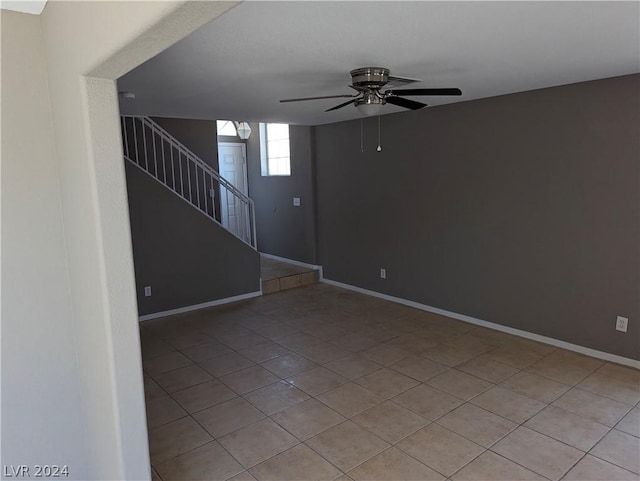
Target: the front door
pixel 232 166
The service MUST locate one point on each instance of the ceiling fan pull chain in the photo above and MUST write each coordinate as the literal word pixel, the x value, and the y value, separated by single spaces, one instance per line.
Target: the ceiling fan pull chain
pixel 379 149
pixel 361 135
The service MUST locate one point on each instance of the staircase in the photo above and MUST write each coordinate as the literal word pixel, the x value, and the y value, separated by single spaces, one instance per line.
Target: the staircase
pixel 156 152
pixel 280 276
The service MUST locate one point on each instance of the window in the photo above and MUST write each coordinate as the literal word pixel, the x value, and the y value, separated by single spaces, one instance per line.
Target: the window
pixel 226 127
pixel 274 152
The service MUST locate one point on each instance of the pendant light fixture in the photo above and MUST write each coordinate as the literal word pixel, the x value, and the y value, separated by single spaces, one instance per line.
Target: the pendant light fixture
pixel 243 129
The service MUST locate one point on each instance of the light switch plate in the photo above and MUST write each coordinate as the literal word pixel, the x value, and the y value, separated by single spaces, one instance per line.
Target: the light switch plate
pixel 296 201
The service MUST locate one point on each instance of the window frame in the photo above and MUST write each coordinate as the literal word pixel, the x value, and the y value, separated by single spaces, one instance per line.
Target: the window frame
pixel 264 151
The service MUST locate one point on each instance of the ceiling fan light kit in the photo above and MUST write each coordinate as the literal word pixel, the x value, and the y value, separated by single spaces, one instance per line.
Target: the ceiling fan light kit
pixel 369 81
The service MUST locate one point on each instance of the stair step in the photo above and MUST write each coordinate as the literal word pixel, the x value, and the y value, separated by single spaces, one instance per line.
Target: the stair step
pixel 269 286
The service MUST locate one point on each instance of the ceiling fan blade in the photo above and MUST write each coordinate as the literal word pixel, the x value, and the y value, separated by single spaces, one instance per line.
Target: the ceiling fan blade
pixel 319 98
pixel 341 105
pixel 426 92
pixel 392 79
pixel 406 103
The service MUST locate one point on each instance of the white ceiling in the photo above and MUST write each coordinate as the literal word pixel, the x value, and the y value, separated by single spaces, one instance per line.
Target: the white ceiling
pixel 240 65
pixel 34 7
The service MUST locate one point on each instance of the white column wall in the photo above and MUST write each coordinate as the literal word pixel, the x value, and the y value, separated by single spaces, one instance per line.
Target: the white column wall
pixel 42 419
pixel 80 340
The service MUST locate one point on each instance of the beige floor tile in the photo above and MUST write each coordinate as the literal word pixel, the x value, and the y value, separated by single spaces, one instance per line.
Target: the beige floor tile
pixel 350 399
pixel 354 342
pixel 383 333
pixel 427 402
pixel 276 397
pixel 289 365
pixel 512 355
pixel 534 347
pixel 567 427
pixel 307 419
pixel 565 366
pixel 493 336
pixel 459 384
pixel 177 437
pixel 152 390
pixel 477 425
pixel 537 452
pixel 390 421
pixel 386 382
pixel 470 344
pixel 299 463
pixel 536 387
pixel 353 367
pixel 203 395
pixel 323 352
pixel 317 380
pixel 344 477
pixel 440 449
pixel 249 379
pixel 448 355
pixel 490 466
pixel 630 424
pixel 257 442
pixel 590 468
pixel 242 341
pixel 276 330
pixel 298 340
pixel 290 282
pixel 204 352
pixel 243 476
pixel 163 410
pixel 616 382
pixel 394 465
pixel 487 369
pixel 419 368
pixel 412 343
pixel 597 408
pixel 183 340
pixel 265 351
pixel 508 404
pixel 153 346
pixel 327 332
pixel 166 362
pixel 182 378
pixel 206 463
pixel 347 445
pixel 155 476
pixel 621 449
pixel 228 416
pixel 384 354
pixel 226 364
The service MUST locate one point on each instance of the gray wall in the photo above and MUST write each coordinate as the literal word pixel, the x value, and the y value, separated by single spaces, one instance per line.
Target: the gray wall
pixel 184 256
pixel 200 136
pixel 285 230
pixel 521 210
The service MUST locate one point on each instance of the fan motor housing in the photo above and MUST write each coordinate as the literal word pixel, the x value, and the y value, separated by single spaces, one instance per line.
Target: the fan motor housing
pixel 369 77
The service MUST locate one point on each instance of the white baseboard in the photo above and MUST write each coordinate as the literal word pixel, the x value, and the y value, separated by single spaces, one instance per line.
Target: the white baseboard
pixel 195 307
pixel 295 263
pixel 491 325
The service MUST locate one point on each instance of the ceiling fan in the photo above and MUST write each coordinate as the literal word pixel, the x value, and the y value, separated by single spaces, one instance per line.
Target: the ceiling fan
pixel 369 81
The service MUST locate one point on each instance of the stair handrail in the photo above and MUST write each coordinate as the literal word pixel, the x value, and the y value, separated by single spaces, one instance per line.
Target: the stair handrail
pixel 180 146
pixel 190 156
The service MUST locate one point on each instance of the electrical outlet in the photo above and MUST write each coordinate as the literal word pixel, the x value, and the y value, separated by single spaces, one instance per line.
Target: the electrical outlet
pixel 621 323
pixel 296 201
pixel 383 273
pixel 147 291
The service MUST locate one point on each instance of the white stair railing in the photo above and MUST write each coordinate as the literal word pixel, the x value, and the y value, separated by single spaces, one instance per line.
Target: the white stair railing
pixel 156 152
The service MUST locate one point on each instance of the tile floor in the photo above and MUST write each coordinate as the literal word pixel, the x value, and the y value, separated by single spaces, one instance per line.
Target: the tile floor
pixel 280 276
pixel 321 383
